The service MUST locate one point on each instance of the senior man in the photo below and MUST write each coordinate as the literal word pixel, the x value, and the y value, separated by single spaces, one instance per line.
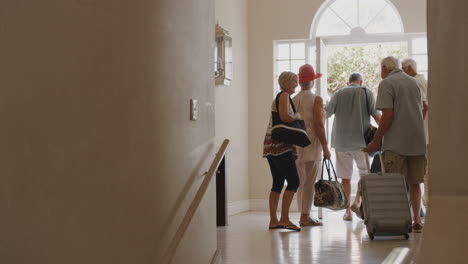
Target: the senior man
pixel 410 67
pixel 402 128
pixel 352 106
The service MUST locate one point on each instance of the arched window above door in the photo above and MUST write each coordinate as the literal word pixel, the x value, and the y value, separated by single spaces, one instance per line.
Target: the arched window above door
pixel 357 17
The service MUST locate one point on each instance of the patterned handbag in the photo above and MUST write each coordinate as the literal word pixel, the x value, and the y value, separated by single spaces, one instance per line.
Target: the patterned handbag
pixel 330 193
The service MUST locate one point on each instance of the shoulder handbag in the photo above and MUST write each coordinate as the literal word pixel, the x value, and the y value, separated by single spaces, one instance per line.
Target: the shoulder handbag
pixel 371 130
pixel 291 133
pixel 330 193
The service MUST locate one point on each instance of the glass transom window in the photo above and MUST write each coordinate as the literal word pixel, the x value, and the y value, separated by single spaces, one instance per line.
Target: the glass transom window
pixel 344 17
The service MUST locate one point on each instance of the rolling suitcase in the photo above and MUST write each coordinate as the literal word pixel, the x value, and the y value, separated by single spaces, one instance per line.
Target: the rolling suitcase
pixel 385 204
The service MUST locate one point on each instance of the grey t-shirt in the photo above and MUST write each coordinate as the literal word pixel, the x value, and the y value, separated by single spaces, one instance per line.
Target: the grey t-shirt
pixel 352 117
pixel 405 135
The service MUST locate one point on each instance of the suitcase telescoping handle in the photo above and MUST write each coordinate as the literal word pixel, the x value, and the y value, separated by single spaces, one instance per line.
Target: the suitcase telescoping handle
pixel 327 164
pixel 382 167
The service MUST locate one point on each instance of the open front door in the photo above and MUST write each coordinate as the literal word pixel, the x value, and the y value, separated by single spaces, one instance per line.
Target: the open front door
pixel 321 84
pixel 321 57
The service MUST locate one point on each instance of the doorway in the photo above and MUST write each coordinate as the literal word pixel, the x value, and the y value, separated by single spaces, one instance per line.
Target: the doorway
pixel 342 60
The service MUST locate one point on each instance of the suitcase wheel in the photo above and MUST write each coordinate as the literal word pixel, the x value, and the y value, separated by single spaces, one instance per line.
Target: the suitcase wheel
pixel 406 236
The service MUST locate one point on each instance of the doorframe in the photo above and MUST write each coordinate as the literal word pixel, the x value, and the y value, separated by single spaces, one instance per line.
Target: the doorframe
pixel 221 194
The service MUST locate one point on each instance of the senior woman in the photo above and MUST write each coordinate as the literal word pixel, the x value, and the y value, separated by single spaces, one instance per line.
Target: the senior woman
pixel 308 162
pixel 281 156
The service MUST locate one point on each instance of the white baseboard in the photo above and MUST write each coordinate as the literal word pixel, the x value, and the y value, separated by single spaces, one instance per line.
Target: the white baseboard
pixel 258 205
pixel 238 207
pixel 263 205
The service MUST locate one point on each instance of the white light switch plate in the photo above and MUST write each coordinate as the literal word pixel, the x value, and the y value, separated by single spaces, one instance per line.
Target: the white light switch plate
pixel 193 109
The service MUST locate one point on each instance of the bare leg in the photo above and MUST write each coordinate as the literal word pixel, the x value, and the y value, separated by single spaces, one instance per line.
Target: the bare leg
pixel 287 199
pixel 415 200
pixel 357 200
pixel 305 218
pixel 274 200
pixel 347 188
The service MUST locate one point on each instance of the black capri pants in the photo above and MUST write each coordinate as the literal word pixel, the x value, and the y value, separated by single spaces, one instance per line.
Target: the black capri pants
pixel 283 167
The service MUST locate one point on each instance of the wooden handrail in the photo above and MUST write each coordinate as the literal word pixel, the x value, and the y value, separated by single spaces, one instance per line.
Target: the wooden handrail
pixel 195 203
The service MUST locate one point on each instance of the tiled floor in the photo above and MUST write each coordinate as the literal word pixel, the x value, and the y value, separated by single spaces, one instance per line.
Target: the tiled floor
pixel 248 240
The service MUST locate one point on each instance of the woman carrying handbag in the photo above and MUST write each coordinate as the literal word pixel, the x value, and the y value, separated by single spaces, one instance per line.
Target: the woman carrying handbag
pixel 308 162
pixel 281 155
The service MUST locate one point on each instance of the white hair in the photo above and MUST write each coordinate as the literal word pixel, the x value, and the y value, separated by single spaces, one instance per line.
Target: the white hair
pixel 409 62
pixel 390 63
pixel 307 84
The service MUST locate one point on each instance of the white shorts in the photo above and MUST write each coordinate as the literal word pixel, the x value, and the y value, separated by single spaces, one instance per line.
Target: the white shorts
pixel 344 163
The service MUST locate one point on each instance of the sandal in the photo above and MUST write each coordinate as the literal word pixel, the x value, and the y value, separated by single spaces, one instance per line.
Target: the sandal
pixel 348 217
pixel 292 227
pixel 313 222
pixel 275 227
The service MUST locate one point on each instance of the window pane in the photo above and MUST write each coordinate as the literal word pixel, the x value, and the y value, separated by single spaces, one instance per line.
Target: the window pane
pixel 282 51
pixel 298 51
pixel 387 21
pixel 368 9
pixel 421 62
pixel 347 10
pixel 425 74
pixel 374 16
pixel 295 64
pixel 419 45
pixel 312 56
pixel 282 66
pixel 330 25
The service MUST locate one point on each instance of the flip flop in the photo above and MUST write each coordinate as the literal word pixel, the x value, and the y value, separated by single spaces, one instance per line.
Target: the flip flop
pixel 292 227
pixel 314 222
pixel 348 217
pixel 275 227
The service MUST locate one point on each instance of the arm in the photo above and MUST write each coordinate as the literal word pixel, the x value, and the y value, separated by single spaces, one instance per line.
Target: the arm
pixel 319 127
pixel 384 124
pixel 375 114
pixel 283 109
pixel 330 108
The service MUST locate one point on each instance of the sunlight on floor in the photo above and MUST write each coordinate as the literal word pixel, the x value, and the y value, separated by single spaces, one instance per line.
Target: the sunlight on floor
pixel 248 240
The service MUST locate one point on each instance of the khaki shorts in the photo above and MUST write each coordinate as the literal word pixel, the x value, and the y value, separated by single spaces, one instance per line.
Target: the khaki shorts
pixel 413 167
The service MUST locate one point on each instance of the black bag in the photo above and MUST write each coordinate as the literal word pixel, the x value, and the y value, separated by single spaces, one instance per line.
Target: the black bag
pixel 291 133
pixel 369 134
pixel 330 193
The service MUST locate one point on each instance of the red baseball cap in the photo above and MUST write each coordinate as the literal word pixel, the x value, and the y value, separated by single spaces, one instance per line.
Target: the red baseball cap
pixel 307 73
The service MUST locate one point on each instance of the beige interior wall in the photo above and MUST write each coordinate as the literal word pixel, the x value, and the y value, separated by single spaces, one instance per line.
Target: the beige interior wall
pixel 444 239
pixel 231 113
pixel 277 20
pixel 99 160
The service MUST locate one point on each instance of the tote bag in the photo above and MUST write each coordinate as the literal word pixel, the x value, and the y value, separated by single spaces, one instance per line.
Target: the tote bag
pixel 291 133
pixel 330 193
